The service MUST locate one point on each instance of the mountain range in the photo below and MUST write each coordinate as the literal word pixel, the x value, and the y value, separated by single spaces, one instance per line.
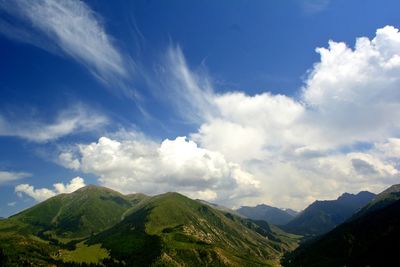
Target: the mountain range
pixel 137 230
pixel 369 238
pixel 322 216
pixel 97 226
pixel 267 213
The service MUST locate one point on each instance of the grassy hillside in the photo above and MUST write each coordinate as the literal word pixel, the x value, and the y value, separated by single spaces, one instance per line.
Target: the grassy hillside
pixel 86 211
pixel 96 226
pixel 174 230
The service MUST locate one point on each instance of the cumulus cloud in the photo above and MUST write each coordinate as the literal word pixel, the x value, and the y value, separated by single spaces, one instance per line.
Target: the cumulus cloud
pixel 7 176
pixel 71 27
pixel 353 94
pixel 75 119
pixel 143 165
pixel 339 135
pixel 41 194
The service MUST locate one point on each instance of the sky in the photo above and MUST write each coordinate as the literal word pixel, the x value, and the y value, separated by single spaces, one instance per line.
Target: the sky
pixel 234 102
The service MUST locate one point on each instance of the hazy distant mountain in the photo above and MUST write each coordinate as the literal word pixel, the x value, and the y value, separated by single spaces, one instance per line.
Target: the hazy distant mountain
pixel 291 212
pixel 322 216
pixel 267 213
pixel 369 238
pixel 98 225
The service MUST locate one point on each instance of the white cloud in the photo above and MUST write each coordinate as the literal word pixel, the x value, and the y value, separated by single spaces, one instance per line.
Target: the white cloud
pixel 72 27
pixel 176 77
pixel 339 135
pixel 45 193
pixel 6 176
pixel 353 93
pixel 11 204
pixel 75 119
pixel 390 148
pixel 67 160
pixel 247 125
pixel 142 165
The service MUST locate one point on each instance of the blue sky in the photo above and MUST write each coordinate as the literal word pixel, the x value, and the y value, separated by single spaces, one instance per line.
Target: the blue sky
pixel 105 92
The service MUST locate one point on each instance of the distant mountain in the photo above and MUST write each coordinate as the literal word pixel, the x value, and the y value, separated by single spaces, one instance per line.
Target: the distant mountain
pixel 322 216
pixel 369 238
pixel 267 213
pixel 291 212
pixel 96 225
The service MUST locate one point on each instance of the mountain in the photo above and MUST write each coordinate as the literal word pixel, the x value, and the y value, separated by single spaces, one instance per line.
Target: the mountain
pixel 220 207
pixel 322 216
pixel 291 212
pixel 173 230
pixel 86 211
pixel 370 238
pixel 96 225
pixel 267 213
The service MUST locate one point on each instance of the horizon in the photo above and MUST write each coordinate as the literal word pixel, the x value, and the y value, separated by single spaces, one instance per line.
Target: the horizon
pixel 209 202
pixel 273 102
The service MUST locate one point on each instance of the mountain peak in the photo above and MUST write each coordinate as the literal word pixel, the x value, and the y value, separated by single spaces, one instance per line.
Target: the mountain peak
pixel 345 196
pixel 91 187
pixel 322 216
pixel 95 188
pixel 266 213
pixel 361 194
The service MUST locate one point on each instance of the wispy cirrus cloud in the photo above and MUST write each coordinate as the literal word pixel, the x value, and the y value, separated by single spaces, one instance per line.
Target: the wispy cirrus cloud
pixel 74 119
pixel 194 104
pixel 9 176
pixel 69 27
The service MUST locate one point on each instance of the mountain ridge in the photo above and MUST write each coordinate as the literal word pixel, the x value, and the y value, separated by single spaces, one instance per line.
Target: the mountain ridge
pixel 167 229
pixel 368 239
pixel 266 213
pixel 322 216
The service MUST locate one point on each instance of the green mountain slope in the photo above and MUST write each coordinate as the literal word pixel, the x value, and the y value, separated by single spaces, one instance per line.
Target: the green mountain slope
pixel 96 225
pixel 322 216
pixel 86 211
pixel 174 230
pixel 371 239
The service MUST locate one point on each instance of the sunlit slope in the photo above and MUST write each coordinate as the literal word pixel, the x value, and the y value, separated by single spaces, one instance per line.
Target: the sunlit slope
pixel 86 211
pixel 175 230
